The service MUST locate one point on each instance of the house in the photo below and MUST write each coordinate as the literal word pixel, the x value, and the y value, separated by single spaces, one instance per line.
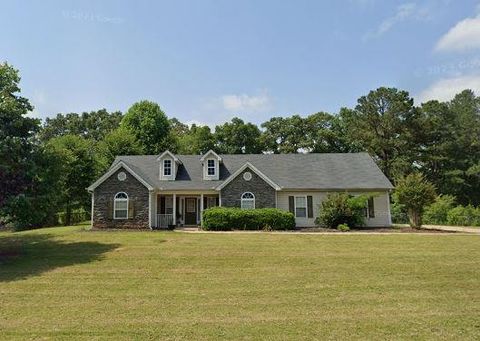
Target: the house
pixel 158 191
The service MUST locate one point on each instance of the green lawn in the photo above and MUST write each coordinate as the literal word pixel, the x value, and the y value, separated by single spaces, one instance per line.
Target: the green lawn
pixel 69 283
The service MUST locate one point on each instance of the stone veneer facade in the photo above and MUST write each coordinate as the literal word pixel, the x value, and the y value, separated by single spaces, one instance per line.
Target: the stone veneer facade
pixel 103 202
pixel 263 192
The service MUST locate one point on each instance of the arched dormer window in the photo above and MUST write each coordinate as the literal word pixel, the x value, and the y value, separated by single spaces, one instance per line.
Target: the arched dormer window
pixel 247 201
pixel 120 206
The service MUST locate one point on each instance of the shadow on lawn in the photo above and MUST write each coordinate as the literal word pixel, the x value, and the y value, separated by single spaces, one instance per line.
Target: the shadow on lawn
pixel 23 256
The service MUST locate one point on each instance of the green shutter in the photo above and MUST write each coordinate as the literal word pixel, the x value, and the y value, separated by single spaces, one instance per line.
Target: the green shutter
pixel 310 206
pixel 371 208
pixel 291 204
pixel 131 209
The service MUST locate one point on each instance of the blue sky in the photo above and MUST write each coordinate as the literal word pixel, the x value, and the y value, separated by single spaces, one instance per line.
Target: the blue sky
pixel 206 61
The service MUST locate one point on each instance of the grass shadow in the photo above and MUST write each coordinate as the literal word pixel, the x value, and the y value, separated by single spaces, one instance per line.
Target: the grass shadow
pixel 23 256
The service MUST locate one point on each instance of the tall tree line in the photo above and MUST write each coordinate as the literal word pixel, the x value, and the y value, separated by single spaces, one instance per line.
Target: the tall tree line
pixel 45 167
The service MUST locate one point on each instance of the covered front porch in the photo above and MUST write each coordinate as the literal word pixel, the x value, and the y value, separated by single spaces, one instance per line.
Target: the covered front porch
pixel 182 209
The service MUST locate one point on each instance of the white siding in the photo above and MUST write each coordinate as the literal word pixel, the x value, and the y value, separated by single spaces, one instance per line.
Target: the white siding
pixel 381 205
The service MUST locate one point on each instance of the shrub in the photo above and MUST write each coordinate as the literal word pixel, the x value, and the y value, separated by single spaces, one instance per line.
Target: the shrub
pixel 399 213
pixel 437 212
pixel 464 216
pixel 342 208
pixel 227 218
pixel 343 227
pixel 415 193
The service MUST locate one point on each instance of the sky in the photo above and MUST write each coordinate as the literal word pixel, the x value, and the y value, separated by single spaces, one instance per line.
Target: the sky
pixel 206 61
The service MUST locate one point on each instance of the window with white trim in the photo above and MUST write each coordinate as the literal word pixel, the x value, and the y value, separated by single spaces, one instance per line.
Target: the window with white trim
pixel 210 167
pixel 247 201
pixel 301 207
pixel 167 167
pixel 120 206
pixel 211 202
pixel 169 205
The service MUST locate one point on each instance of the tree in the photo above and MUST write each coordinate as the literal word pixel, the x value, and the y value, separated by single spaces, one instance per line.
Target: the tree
pixel 198 140
pixel 78 168
pixel 238 137
pixel 16 136
pixel 325 133
pixel 463 175
pixel 414 193
pixel 447 147
pixel 38 204
pixel 284 134
pixel 118 142
pixel 149 124
pixel 91 125
pixel 380 123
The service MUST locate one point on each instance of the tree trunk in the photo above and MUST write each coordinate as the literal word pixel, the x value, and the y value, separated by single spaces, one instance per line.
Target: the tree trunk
pixel 68 215
pixel 415 218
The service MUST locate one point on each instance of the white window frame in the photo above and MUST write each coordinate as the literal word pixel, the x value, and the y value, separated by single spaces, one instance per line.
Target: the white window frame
pixel 295 205
pixel 169 167
pixel 115 200
pixel 214 167
pixel 242 200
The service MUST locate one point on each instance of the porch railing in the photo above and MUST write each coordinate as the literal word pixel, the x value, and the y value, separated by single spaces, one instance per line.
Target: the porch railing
pixel 164 220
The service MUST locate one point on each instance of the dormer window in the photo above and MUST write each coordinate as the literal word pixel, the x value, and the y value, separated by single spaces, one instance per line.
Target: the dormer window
pixel 167 167
pixel 211 167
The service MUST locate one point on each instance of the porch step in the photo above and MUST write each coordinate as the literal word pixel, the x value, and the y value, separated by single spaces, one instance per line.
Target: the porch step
pixel 187 228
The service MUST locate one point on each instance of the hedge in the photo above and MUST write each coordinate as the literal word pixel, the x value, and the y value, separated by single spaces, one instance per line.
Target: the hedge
pixel 226 219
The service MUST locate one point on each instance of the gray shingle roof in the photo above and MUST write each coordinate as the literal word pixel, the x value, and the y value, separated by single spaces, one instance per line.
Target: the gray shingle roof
pixel 333 171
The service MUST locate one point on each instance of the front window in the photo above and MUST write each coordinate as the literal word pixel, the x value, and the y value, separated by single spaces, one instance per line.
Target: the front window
pixel 210 167
pixel 120 206
pixel 169 205
pixel 248 201
pixel 167 167
pixel 211 202
pixel 300 207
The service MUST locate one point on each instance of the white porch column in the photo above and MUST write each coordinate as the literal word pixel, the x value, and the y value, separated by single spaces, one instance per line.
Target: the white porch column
pixel 174 209
pixel 201 208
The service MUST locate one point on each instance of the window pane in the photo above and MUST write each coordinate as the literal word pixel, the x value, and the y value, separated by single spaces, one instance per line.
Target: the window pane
pixel 247 195
pixel 211 202
pixel 300 202
pixel 167 167
pixel 121 205
pixel 301 212
pixel 248 204
pixel 121 213
pixel 121 195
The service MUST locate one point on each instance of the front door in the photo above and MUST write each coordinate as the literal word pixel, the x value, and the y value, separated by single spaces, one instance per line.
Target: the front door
pixel 190 211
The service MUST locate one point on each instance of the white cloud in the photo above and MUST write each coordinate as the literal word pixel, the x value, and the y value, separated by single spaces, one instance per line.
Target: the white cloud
pixel 465 35
pixel 246 103
pixel 445 89
pixel 404 12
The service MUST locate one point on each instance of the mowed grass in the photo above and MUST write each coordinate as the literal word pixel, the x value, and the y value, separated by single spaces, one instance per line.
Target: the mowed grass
pixel 67 283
